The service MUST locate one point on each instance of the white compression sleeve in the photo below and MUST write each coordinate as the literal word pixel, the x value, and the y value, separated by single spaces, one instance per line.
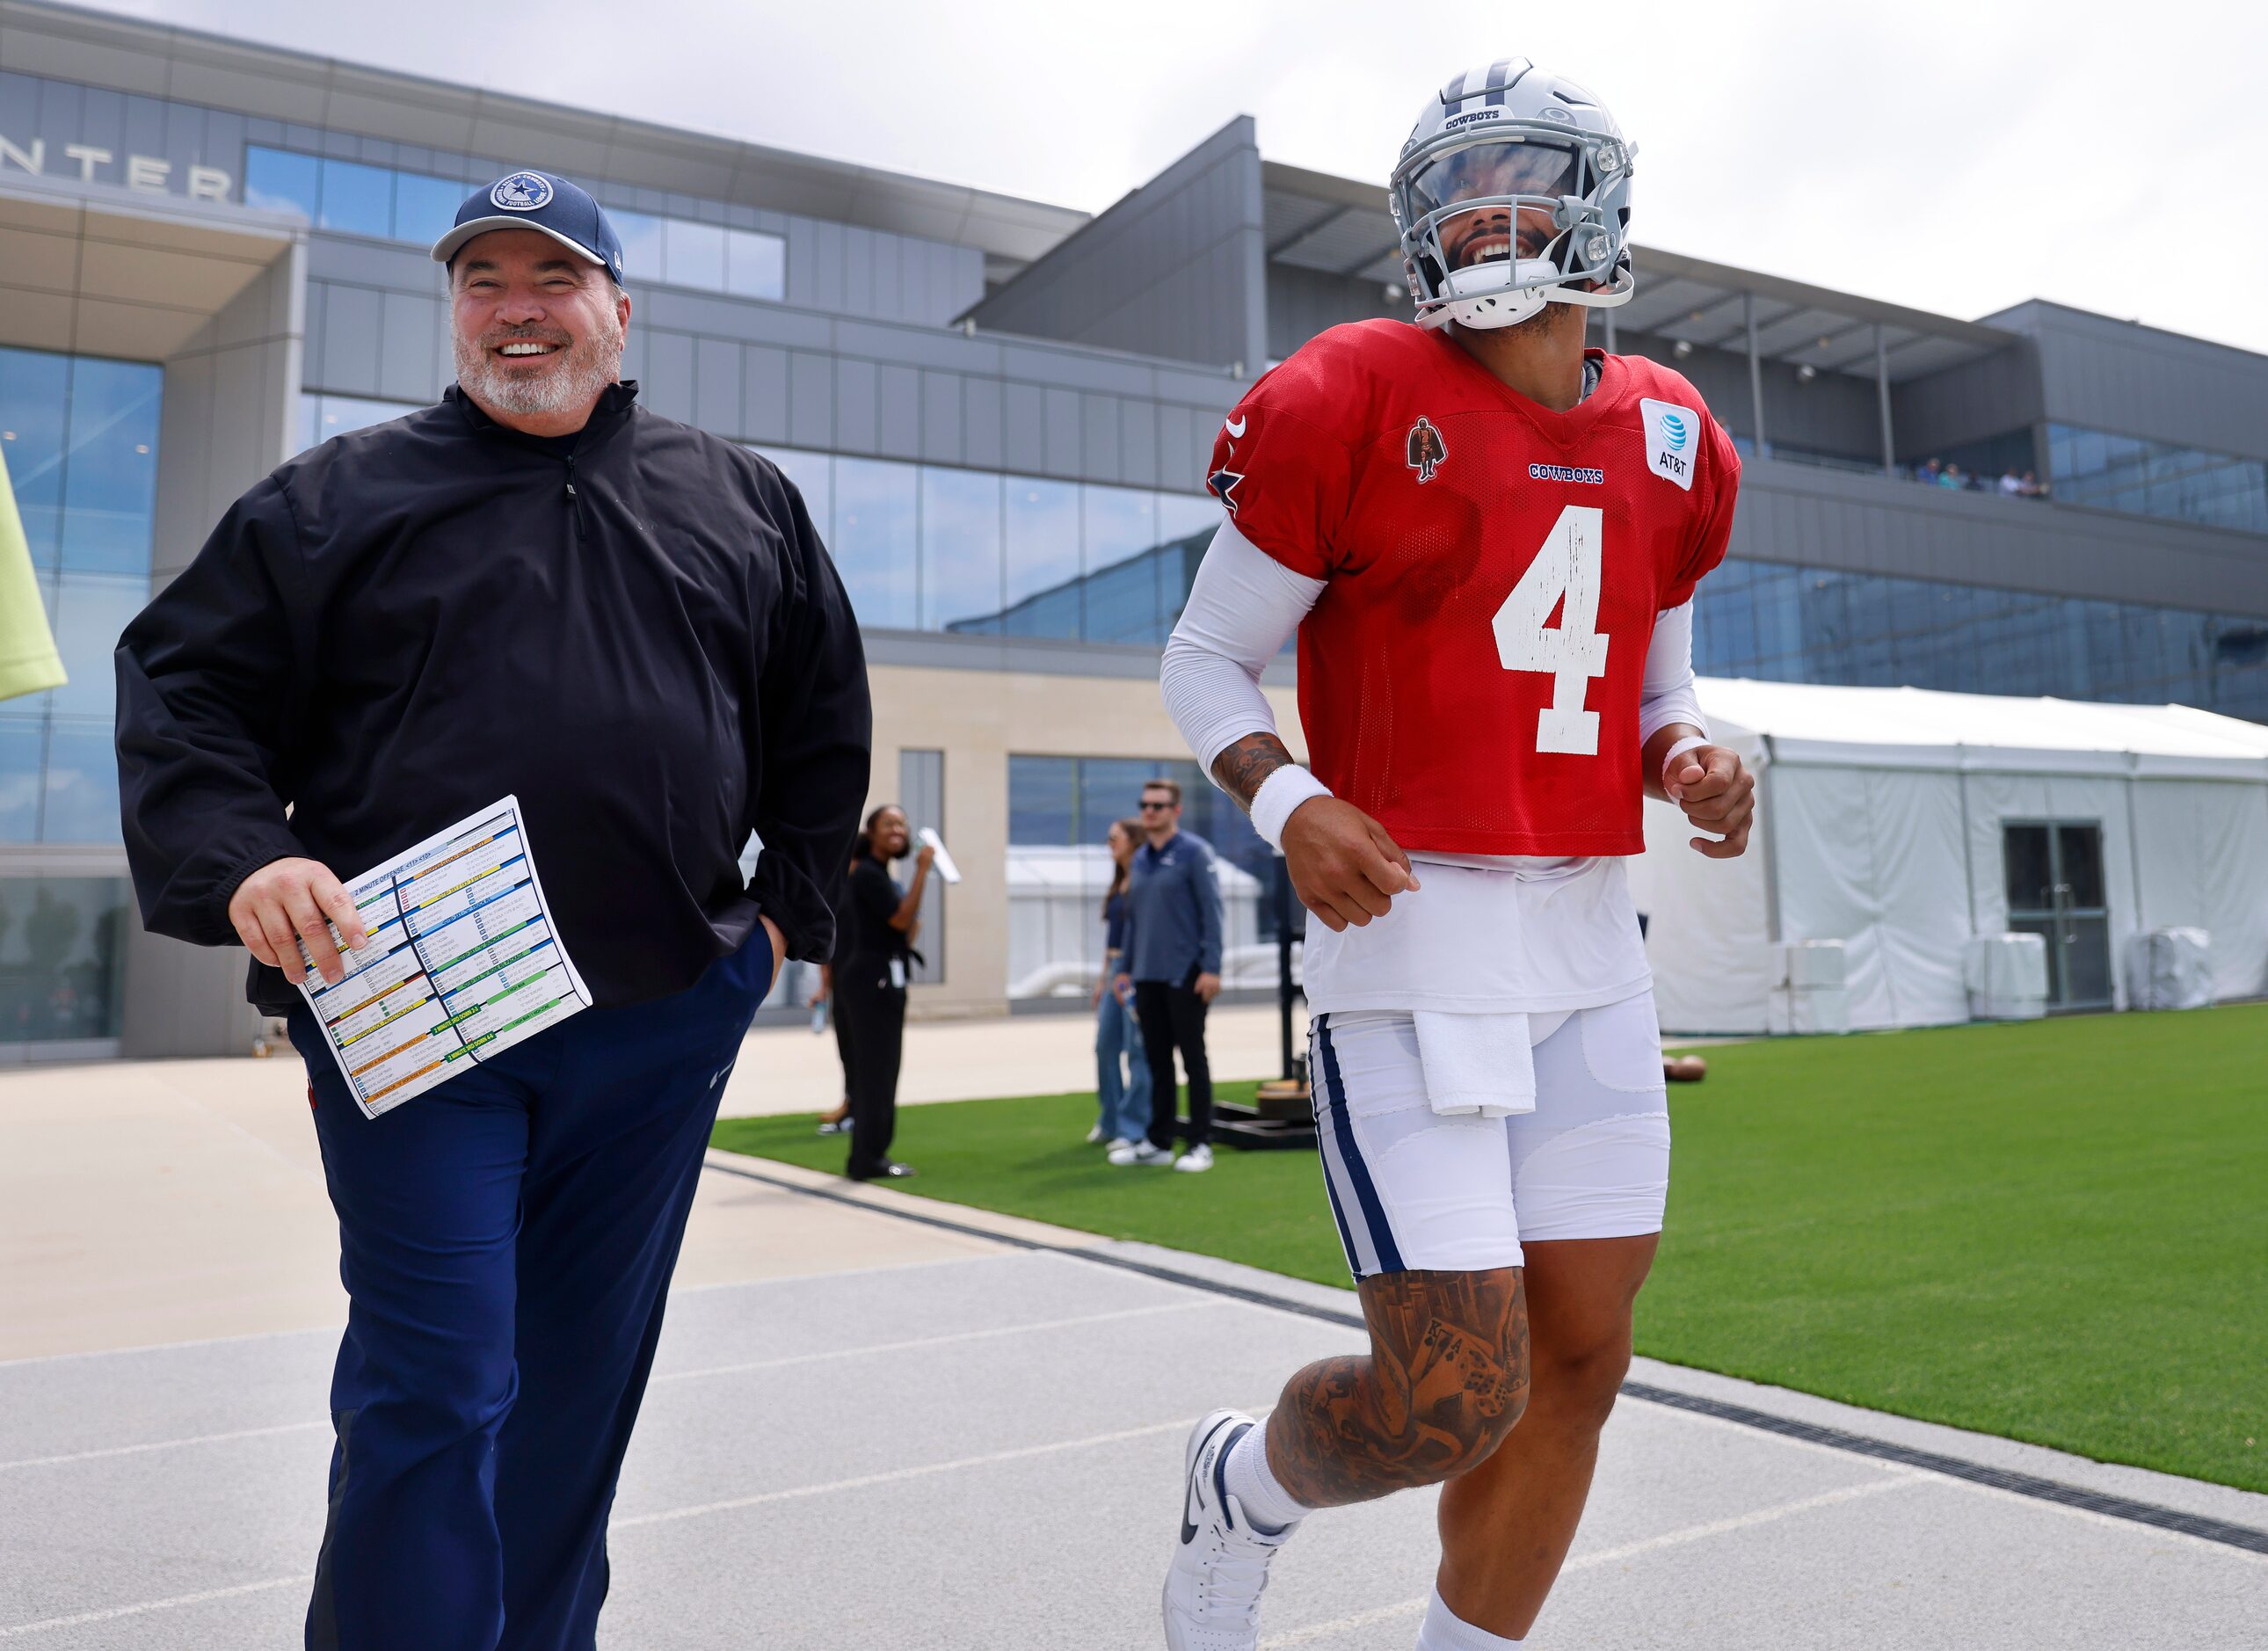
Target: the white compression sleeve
pixel 1665 694
pixel 1243 606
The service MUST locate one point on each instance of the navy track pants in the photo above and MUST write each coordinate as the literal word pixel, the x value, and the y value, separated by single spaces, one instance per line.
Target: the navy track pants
pixel 506 1241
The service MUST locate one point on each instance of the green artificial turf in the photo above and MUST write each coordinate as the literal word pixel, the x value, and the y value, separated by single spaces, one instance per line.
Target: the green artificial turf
pixel 2055 1231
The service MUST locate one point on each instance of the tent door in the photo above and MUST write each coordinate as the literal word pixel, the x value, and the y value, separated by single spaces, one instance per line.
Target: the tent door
pixel 2055 883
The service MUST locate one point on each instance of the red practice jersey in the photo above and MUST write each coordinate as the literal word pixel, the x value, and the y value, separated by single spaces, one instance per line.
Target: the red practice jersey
pixel 1470 674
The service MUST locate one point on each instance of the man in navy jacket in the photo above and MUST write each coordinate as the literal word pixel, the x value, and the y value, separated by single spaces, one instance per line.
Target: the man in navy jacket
pixel 1173 955
pixel 536 587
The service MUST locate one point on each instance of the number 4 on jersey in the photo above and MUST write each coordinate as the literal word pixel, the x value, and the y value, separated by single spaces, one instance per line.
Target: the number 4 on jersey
pixel 1573 652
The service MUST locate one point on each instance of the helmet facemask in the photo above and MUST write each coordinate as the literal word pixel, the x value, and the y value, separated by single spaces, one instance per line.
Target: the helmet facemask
pixel 1499 218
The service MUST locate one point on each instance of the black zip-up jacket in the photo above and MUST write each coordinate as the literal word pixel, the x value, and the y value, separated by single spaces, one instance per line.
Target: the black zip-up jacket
pixel 638 634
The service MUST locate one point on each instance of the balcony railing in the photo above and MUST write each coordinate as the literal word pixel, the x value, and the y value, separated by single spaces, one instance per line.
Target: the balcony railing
pixel 1950 478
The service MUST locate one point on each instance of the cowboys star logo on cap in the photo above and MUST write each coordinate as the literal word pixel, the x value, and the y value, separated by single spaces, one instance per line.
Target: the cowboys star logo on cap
pixel 543 202
pixel 522 192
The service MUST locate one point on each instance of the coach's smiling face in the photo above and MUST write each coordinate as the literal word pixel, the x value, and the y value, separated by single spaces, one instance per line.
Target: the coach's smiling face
pixel 538 330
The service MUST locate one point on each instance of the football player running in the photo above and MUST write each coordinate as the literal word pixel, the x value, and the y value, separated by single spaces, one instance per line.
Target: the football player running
pixel 1487 538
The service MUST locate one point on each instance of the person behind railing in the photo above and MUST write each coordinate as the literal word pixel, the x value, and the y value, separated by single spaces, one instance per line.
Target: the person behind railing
pixel 1122 1090
pixel 1940 473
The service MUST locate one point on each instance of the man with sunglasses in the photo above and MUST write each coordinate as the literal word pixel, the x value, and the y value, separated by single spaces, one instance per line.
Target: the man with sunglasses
pixel 1173 957
pixel 1487 540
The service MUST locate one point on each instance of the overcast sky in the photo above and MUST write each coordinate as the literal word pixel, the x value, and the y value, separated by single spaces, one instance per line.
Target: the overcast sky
pixel 1958 157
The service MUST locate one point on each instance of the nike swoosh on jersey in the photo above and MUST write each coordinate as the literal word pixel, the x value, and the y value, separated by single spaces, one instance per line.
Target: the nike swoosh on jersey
pixel 1235 427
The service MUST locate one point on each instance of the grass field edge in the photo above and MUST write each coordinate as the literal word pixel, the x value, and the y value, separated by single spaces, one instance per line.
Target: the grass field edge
pixel 2043 1439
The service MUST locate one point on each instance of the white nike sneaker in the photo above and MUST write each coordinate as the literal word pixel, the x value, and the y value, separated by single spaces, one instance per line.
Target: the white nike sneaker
pixel 1213 1586
pixel 1197 1160
pixel 1094 1133
pixel 1141 1153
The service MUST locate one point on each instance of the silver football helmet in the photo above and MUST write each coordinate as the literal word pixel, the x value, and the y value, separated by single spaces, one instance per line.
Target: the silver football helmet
pixel 1513 192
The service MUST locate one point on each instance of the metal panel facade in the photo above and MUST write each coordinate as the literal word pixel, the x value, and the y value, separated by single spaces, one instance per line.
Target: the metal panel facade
pixel 1177 269
pixel 2136 381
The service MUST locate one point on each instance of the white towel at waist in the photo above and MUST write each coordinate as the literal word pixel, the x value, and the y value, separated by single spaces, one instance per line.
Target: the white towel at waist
pixel 1481 1062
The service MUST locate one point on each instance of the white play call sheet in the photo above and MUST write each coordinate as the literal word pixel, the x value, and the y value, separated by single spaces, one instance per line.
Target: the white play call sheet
pixel 462 962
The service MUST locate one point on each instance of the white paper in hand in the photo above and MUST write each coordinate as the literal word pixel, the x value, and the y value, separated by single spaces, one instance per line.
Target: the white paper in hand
pixel 462 962
pixel 946 869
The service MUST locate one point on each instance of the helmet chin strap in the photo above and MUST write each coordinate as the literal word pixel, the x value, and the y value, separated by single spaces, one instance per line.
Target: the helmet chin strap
pixel 1485 296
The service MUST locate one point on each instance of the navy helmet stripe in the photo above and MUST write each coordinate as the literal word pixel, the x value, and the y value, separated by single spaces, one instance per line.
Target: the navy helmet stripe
pixel 1499 84
pixel 1494 81
pixel 1365 1193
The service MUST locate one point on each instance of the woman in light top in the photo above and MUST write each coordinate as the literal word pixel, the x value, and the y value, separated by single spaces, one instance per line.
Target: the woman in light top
pixel 1122 1099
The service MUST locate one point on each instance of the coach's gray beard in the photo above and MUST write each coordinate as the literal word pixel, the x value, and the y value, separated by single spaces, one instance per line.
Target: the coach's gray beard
pixel 592 363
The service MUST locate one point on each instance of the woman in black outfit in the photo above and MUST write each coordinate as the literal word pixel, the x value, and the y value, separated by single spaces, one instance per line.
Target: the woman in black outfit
pixel 870 986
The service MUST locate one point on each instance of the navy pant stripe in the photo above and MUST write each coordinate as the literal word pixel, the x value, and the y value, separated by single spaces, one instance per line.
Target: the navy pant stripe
pixel 1366 1192
pixel 1327 1150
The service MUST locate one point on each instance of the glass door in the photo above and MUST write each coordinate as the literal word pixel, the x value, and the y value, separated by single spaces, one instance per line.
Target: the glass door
pixel 2055 887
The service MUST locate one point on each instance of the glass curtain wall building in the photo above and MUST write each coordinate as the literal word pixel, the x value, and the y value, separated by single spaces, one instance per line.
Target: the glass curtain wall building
pixel 1793 624
pixel 926 546
pixel 80 434
pixel 388 204
pixel 2157 478
pixel 1000 414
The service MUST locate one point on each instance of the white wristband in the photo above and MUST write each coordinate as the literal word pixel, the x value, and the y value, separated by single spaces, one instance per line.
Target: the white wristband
pixel 1691 741
pixel 1278 795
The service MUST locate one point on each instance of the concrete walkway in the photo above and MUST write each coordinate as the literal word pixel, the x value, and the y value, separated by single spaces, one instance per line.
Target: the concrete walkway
pixel 954 1431
pixel 174 1200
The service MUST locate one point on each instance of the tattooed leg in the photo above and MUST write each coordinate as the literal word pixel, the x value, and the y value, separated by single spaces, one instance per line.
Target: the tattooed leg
pixel 1243 767
pixel 1445 1380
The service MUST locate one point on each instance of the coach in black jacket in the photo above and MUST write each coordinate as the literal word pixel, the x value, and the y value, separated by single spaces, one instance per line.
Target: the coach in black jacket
pixel 537 587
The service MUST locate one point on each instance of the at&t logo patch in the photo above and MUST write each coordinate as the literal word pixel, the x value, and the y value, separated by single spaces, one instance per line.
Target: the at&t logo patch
pixel 1672 437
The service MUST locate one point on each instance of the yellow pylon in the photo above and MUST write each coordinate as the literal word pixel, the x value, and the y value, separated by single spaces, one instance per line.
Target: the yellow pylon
pixel 28 660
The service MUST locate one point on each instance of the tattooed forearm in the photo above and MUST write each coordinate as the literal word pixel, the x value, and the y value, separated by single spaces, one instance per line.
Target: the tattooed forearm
pixel 1445 1380
pixel 1244 765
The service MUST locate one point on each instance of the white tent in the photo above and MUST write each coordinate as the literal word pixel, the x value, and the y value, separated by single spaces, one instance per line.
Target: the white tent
pixel 1884 818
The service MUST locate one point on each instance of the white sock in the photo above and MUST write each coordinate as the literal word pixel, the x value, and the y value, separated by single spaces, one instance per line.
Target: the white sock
pixel 1445 1631
pixel 1266 1503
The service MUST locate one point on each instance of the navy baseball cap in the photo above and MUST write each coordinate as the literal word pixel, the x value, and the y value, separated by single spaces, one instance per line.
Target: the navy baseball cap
pixel 541 201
